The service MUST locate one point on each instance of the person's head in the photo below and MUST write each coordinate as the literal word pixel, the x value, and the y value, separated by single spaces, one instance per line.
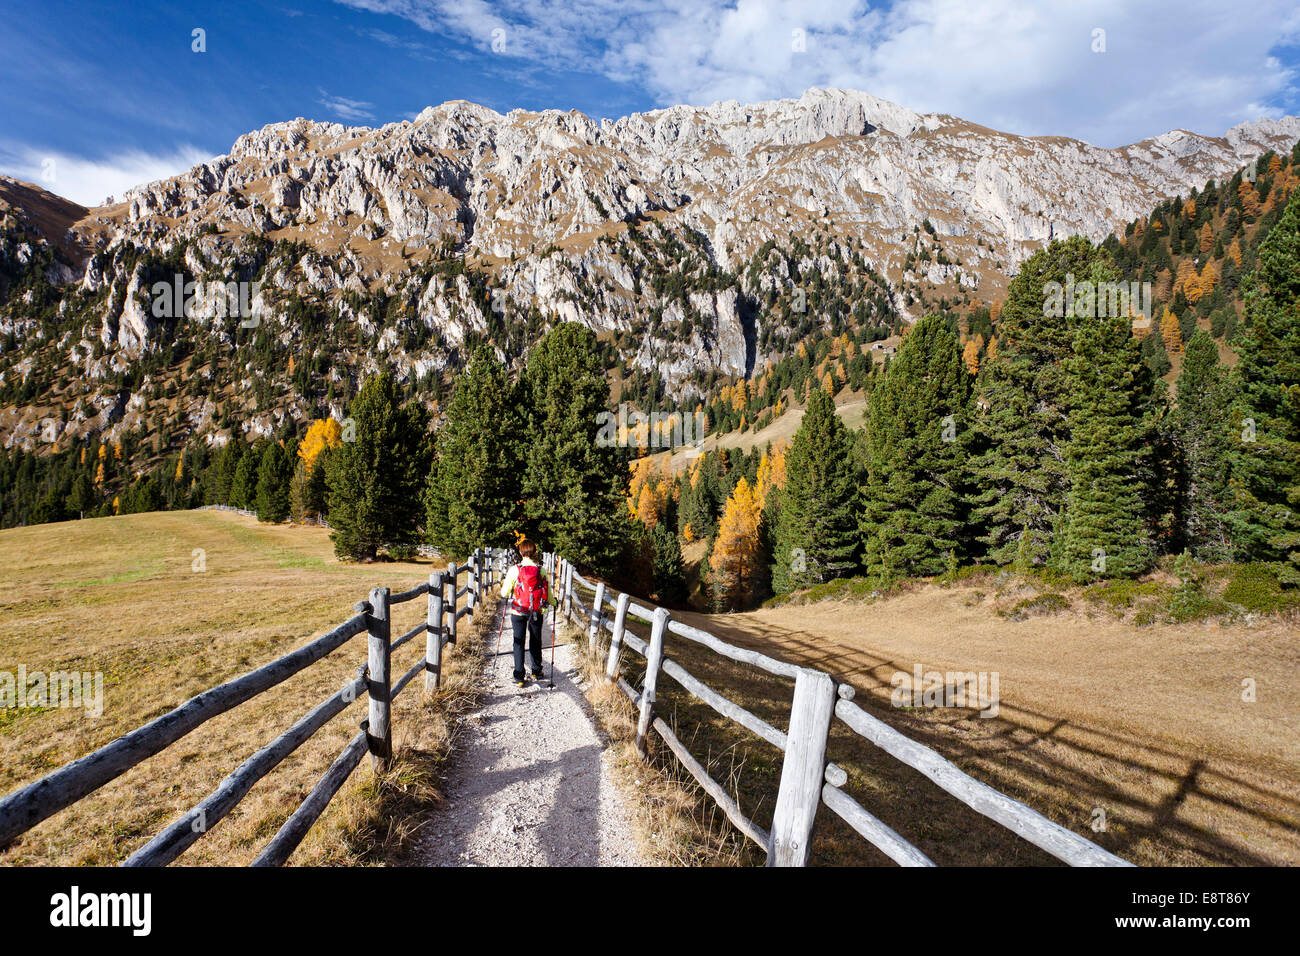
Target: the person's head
pixel 527 550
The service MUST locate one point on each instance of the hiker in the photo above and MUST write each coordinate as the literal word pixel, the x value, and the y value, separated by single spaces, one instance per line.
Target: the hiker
pixel 527 588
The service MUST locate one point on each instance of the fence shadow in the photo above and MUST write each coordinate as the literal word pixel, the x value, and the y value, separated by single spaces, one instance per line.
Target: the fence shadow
pixel 1160 804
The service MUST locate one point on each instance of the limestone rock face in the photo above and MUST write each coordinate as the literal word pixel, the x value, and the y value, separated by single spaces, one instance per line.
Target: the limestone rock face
pixel 544 203
pixel 865 168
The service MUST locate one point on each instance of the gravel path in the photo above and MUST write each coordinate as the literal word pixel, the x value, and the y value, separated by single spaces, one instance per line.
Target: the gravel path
pixel 532 785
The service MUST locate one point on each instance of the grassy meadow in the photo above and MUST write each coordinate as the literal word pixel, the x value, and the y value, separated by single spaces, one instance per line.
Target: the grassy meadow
pixel 1099 710
pixel 169 604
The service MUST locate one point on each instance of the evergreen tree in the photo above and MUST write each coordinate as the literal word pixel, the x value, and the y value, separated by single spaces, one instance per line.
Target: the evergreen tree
pixel 1021 472
pixel 815 537
pixel 1104 528
pixel 315 495
pixel 273 475
pixel 221 477
pixel 82 498
pixel 1202 431
pixel 913 502
pixel 1267 467
pixel 574 472
pixel 377 479
pixel 698 508
pixel 243 486
pixel 473 494
pixel 669 571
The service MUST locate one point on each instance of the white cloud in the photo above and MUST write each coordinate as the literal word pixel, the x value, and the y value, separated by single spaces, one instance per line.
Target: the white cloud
pixel 344 108
pixel 91 181
pixel 1021 65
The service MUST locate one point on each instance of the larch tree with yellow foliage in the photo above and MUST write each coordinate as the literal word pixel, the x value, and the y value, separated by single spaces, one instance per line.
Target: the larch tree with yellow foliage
pixel 737 566
pixel 647 507
pixel 308 491
pixel 1171 332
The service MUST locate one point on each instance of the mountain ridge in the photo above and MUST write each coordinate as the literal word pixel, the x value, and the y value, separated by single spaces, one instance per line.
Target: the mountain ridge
pixel 687 237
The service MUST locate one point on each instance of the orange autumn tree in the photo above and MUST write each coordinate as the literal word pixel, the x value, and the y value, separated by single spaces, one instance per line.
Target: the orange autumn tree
pixel 1170 332
pixel 640 474
pixel 324 433
pixel 736 566
pixel 1234 253
pixel 970 354
pixel 771 473
pixel 647 507
pixel 307 492
pixel 1249 198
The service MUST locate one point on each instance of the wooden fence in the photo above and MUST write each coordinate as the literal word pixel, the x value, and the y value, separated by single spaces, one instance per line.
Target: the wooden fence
pixel 807 780
pixel 25 808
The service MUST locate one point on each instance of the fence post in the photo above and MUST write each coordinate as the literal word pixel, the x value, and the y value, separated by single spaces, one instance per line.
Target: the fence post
pixel 597 615
pixel 472 582
pixel 653 658
pixel 433 636
pixel 451 612
pixel 616 639
pixel 380 731
pixel 568 592
pixel 803 769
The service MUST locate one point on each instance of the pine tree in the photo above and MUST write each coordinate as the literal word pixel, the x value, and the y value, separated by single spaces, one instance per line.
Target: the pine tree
pixel 574 472
pixel 221 477
pixel 914 500
pixel 1202 431
pixel 473 493
pixel 669 571
pixel 815 536
pixel 274 472
pixel 698 508
pixel 1104 527
pixel 1267 466
pixel 375 481
pixel 1021 472
pixel 243 487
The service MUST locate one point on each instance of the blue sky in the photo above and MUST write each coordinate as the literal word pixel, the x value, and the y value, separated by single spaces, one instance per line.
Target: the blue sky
pixel 97 97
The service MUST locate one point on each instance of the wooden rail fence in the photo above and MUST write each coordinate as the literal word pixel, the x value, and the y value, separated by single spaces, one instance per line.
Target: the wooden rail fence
pixel 808 779
pixel 30 805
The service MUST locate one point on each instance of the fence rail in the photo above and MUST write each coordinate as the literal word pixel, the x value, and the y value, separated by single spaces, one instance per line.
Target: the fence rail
pixel 808 779
pixel 38 801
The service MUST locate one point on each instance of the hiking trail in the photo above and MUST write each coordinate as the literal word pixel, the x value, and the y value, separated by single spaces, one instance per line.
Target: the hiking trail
pixel 532 784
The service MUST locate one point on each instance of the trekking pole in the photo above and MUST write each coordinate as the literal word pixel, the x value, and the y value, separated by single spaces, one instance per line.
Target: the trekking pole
pixel 552 645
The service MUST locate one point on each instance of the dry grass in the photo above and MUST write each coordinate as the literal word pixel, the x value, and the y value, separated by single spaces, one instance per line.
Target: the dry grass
pixel 379 818
pixel 1146 723
pixel 118 595
pixel 676 823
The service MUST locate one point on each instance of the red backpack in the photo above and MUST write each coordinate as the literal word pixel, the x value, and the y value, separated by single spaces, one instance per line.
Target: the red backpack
pixel 531 592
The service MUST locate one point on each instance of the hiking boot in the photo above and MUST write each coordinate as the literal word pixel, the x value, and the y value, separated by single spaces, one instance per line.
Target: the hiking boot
pixel 520 683
pixel 538 675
